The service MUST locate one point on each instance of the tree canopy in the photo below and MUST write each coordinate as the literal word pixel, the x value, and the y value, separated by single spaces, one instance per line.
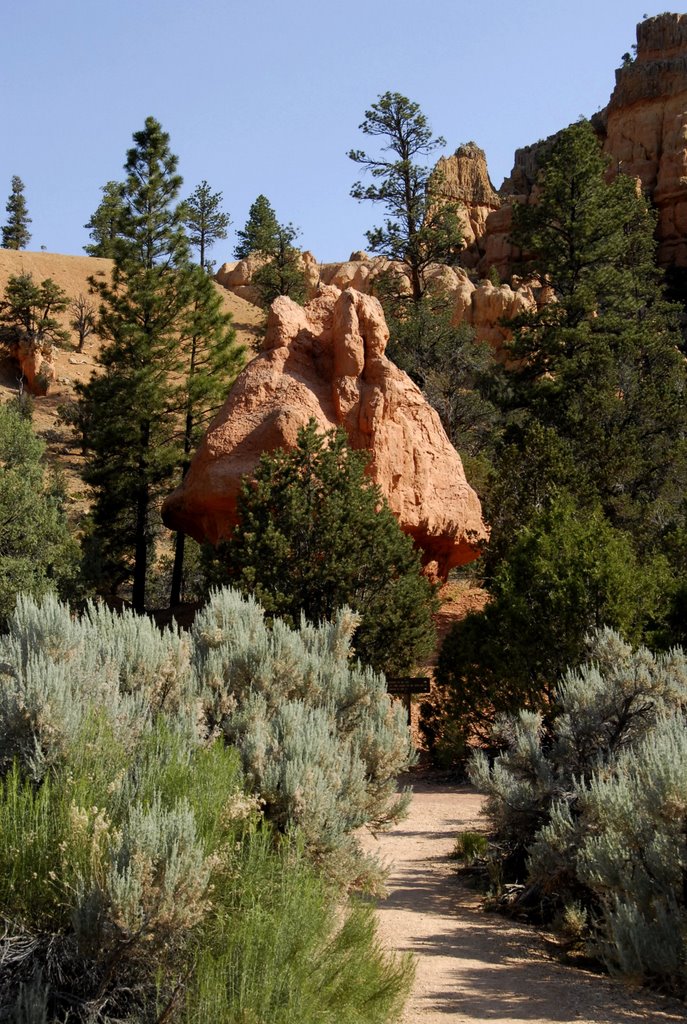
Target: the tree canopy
pixel 420 228
pixel 15 233
pixel 37 552
pixel 105 223
pixel 314 534
pixel 205 221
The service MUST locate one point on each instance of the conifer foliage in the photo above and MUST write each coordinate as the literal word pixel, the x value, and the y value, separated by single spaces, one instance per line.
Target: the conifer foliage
pixel 419 229
pixel 37 553
pixel 105 223
pixel 162 325
pixel 281 272
pixel 15 233
pixel 205 221
pixel 314 535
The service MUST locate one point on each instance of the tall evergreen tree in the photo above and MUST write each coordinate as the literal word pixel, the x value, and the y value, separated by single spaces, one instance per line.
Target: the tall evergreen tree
pixel 105 224
pixel 260 231
pixel 420 228
pixel 15 233
pixel 601 367
pixel 283 273
pixel 209 362
pixel 133 450
pixel 205 221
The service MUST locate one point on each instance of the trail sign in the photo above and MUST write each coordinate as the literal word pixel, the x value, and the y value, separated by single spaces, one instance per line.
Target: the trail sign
pixel 406 686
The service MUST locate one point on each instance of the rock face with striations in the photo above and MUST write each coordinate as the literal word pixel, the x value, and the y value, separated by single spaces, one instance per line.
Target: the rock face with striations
pixel 326 361
pixel 464 179
pixel 646 127
pixel 644 132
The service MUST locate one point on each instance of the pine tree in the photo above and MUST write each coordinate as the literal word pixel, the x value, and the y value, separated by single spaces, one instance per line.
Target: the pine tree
pixel 601 366
pixel 420 228
pixel 27 312
pixel 210 359
pixel 105 223
pixel 283 273
pixel 205 221
pixel 259 235
pixel 37 553
pixel 132 448
pixel 16 234
pixel 315 534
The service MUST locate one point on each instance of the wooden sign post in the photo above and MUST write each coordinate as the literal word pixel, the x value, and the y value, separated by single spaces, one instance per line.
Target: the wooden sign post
pixel 406 686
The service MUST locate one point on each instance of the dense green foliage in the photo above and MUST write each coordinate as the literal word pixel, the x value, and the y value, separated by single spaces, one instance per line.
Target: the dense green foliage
pixel 260 231
pixel 105 224
pixel 15 233
pixel 602 366
pixel 164 332
pixel 37 553
pixel 205 221
pixel 138 878
pixel 588 474
pixel 315 534
pixel 281 272
pixel 588 812
pixel 27 313
pixel 419 229
pixel 568 572
pixel 456 373
pixel 208 362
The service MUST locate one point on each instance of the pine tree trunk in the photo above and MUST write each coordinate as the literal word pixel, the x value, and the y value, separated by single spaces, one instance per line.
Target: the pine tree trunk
pixel 177 570
pixel 141 540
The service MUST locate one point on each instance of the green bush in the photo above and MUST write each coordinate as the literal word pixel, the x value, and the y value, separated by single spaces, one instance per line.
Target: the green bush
pixel 567 573
pixel 315 534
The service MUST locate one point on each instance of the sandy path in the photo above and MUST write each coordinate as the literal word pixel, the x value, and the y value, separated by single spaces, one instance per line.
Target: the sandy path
pixel 474 966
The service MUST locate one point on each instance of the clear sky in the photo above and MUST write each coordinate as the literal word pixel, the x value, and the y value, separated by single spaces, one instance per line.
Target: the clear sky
pixel 265 96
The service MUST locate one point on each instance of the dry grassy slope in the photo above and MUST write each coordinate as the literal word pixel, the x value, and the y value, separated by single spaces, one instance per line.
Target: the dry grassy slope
pixel 71 273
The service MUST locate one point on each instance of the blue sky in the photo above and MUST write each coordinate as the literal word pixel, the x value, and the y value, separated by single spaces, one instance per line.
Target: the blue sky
pixel 265 96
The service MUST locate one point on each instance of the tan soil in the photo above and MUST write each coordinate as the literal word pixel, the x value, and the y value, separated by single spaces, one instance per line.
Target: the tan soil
pixel 477 966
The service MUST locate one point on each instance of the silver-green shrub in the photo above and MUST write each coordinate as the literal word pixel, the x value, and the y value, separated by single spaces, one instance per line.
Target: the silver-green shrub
pixel 591 809
pixel 321 741
pixel 128 827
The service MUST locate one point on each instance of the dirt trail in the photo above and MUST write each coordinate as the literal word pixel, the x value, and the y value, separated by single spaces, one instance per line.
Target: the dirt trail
pixel 473 966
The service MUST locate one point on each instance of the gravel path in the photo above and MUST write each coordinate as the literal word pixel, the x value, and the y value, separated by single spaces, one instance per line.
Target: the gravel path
pixel 474 966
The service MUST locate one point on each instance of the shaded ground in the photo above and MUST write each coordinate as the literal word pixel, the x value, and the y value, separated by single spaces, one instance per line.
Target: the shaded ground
pixel 475 966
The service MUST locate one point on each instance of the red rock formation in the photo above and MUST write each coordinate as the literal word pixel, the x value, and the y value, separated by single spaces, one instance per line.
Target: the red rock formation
pixel 646 127
pixel 644 132
pixel 35 364
pixel 464 179
pixel 327 361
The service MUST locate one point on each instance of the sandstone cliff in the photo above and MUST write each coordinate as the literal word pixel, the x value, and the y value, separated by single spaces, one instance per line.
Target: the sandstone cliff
pixel 646 127
pixel 327 361
pixel 464 179
pixel 644 133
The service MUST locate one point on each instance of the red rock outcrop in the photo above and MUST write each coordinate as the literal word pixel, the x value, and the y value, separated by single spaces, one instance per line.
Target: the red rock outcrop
pixel 464 179
pixel 644 132
pixel 327 361
pixel 238 277
pixel 35 364
pixel 646 127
